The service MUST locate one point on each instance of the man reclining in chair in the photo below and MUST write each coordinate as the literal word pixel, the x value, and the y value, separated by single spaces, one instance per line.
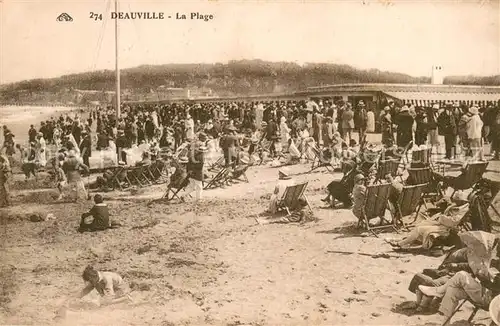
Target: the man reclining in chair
pixel 479 287
pixel 427 231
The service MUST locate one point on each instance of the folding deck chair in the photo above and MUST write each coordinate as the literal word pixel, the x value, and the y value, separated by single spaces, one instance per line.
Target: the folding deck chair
pixel 158 172
pixel 318 160
pixel 172 191
pixel 376 200
pixel 477 307
pixel 219 179
pixel 240 172
pixel 473 174
pixel 431 191
pixel 291 196
pixel 408 201
pixel 119 176
pixel 386 167
pixel 136 176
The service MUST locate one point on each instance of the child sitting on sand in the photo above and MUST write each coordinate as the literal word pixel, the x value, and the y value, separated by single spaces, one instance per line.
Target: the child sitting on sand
pixel 110 285
pixel 97 219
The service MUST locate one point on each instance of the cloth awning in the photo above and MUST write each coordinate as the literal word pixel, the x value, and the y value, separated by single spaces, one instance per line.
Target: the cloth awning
pixel 427 99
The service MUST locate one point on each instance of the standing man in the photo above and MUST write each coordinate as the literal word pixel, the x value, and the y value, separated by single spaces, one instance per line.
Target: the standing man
pixel 404 121
pixel 86 148
pixel 446 123
pixel 362 120
pixel 196 160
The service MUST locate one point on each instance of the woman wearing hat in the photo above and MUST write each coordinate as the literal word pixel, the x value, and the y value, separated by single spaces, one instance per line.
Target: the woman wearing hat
pixel 474 128
pixel 284 181
pixel 41 158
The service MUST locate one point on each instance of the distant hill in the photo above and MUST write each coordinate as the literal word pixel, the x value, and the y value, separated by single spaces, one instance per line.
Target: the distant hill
pixel 242 77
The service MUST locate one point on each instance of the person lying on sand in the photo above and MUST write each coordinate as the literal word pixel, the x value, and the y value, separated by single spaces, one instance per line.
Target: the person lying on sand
pixel 97 219
pixel 109 285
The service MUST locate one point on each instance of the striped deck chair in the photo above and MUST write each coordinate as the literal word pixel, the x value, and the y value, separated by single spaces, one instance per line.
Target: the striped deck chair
pixel 219 179
pixel 421 158
pixel 408 201
pixel 386 167
pixel 319 160
pixel 240 172
pixel 377 197
pixel 473 174
pixel 290 197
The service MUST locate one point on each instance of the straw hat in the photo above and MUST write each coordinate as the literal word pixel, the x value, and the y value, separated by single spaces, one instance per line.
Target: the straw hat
pixel 283 175
pixel 435 106
pixel 474 110
pixel 183 160
pixel 495 310
pixel 358 177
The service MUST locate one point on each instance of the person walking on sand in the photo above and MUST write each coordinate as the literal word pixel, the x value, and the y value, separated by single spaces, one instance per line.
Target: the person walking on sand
pixel 71 167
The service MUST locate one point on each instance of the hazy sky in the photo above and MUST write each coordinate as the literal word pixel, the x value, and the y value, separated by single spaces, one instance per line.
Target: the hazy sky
pixel 405 36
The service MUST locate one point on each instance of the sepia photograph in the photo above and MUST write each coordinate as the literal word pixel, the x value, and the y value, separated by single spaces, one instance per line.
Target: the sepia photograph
pixel 250 163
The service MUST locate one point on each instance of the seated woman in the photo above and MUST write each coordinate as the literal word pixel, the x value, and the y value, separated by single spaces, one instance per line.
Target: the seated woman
pixel 299 215
pixel 426 232
pixel 97 219
pixel 284 181
pixel 179 179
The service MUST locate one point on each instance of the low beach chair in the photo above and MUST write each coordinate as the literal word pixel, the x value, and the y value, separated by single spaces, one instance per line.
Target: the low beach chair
pixel 120 178
pixel 319 160
pixel 240 172
pixel 137 176
pixel 473 174
pixel 432 191
pixel 376 200
pixel 386 167
pixel 290 197
pixel 408 201
pixel 477 307
pixel 172 191
pixel 219 179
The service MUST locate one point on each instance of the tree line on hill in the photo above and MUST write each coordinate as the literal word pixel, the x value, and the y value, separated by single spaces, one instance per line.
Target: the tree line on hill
pixel 242 77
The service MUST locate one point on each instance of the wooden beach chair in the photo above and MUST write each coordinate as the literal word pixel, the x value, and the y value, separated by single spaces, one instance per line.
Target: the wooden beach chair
pixel 386 167
pixel 432 191
pixel 291 196
pixel 408 201
pixel 240 172
pixel 219 179
pixel 377 197
pixel 318 160
pixel 172 191
pixel 120 178
pixel 475 310
pixel 472 174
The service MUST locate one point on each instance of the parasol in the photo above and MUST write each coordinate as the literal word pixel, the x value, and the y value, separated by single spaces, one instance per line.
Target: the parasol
pixel 481 245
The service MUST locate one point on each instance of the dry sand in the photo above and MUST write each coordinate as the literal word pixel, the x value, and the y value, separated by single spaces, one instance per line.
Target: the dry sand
pixel 208 264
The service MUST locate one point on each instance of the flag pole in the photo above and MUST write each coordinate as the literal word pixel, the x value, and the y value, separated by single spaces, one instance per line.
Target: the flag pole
pixel 117 69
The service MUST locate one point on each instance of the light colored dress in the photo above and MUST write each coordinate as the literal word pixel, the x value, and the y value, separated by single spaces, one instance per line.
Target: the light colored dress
pixel 279 190
pixel 370 121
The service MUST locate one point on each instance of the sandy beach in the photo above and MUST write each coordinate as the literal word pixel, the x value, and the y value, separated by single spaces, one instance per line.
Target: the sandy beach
pixel 210 264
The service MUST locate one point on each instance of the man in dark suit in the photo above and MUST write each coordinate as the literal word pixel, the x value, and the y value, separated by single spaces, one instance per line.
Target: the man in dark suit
pixel 86 147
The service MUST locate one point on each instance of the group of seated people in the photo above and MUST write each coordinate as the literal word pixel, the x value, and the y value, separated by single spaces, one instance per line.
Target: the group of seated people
pixel 470 271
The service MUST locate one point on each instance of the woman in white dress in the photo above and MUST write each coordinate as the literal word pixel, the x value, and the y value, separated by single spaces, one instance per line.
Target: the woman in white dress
pixel 284 133
pixel 41 149
pixel 370 121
